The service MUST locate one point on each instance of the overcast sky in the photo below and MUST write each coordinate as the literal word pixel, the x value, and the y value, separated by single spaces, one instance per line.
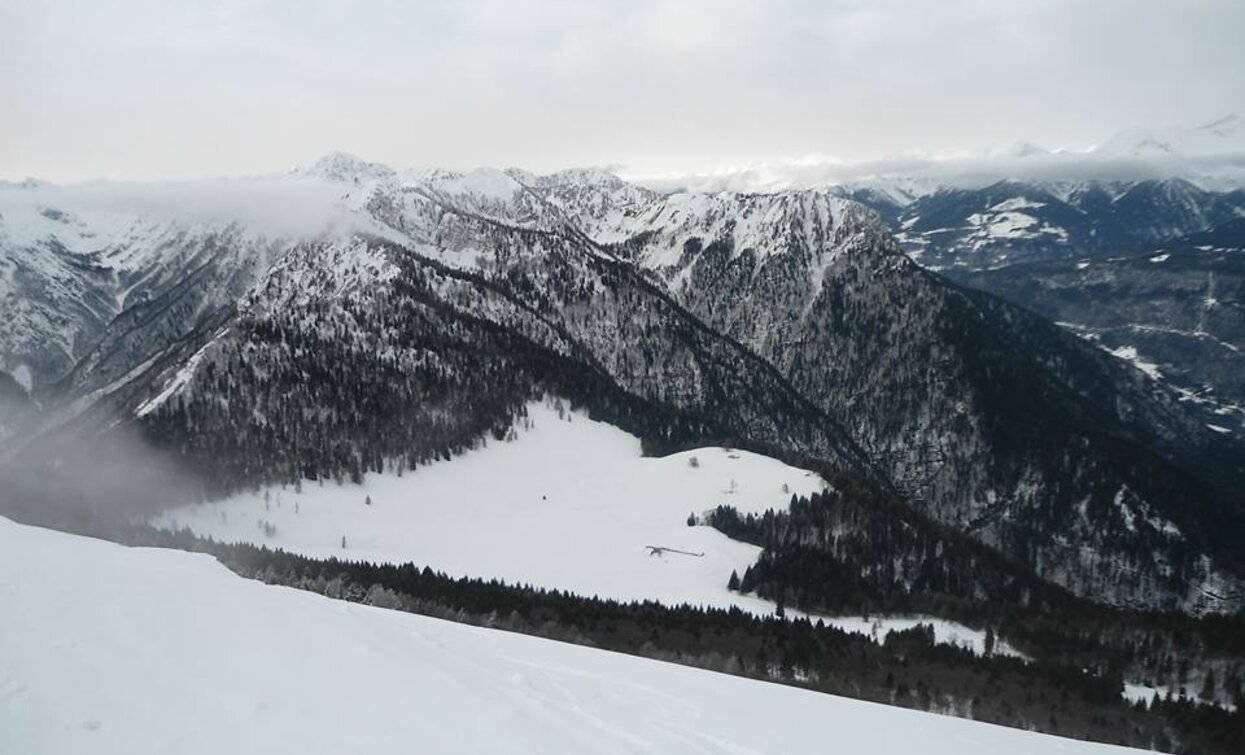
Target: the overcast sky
pixel 162 88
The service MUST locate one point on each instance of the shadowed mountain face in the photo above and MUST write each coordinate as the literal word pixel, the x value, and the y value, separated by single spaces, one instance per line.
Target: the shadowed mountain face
pixel 960 230
pixel 991 419
pixel 1150 270
pixel 1177 311
pixel 792 320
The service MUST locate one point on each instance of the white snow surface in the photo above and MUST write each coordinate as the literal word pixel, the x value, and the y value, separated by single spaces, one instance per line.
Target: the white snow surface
pixel 22 375
pixel 945 632
pixel 1137 692
pixel 1017 203
pixel 1132 356
pixel 114 650
pixel 487 183
pixel 571 504
pixel 1006 221
pixel 821 223
pixel 179 381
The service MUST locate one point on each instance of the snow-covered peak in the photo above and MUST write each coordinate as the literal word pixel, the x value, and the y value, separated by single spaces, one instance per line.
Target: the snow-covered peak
pixel 598 177
pixel 1222 136
pixel 426 176
pixel 343 167
pixel 117 245
pixel 818 223
pixel 899 191
pixel 489 184
pixel 74 258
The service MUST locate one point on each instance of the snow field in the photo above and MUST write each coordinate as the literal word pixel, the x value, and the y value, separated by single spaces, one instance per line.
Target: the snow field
pixel 570 504
pixel 125 651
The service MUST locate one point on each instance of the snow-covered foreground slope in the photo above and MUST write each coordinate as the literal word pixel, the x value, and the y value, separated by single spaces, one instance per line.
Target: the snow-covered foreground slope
pixel 106 649
pixel 570 504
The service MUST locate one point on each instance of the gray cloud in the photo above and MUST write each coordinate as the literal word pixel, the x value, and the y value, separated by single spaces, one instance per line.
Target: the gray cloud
pixel 153 88
pixel 273 206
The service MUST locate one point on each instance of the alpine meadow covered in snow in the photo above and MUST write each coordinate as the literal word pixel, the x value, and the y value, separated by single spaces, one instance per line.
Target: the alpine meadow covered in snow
pixel 830 376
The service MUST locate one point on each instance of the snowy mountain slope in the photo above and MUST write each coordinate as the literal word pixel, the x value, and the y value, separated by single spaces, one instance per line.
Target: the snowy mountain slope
pixel 102 280
pixel 586 502
pixel 1222 136
pixel 1063 249
pixel 1175 310
pixel 544 299
pixel 184 657
pixel 341 167
pixel 790 320
pixel 927 380
pixel 588 505
pixel 957 230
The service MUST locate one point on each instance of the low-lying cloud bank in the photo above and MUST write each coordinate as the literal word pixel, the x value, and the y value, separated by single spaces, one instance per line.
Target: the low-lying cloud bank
pixel 1211 155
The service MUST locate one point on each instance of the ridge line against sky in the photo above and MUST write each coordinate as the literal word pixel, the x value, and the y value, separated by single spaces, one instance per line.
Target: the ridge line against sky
pixel 144 89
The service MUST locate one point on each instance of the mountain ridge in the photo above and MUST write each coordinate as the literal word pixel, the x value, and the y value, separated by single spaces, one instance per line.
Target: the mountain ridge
pixel 793 319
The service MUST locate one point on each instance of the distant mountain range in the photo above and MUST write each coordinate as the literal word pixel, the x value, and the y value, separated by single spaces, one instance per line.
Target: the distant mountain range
pixel 1150 270
pixel 1211 156
pixel 349 317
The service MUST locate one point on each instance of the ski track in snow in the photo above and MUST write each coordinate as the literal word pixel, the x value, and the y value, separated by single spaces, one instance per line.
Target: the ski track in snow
pixel 123 651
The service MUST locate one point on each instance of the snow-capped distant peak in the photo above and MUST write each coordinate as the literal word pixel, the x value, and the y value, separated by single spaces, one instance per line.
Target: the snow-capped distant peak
pixel 585 177
pixel 1222 136
pixel 481 183
pixel 340 166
